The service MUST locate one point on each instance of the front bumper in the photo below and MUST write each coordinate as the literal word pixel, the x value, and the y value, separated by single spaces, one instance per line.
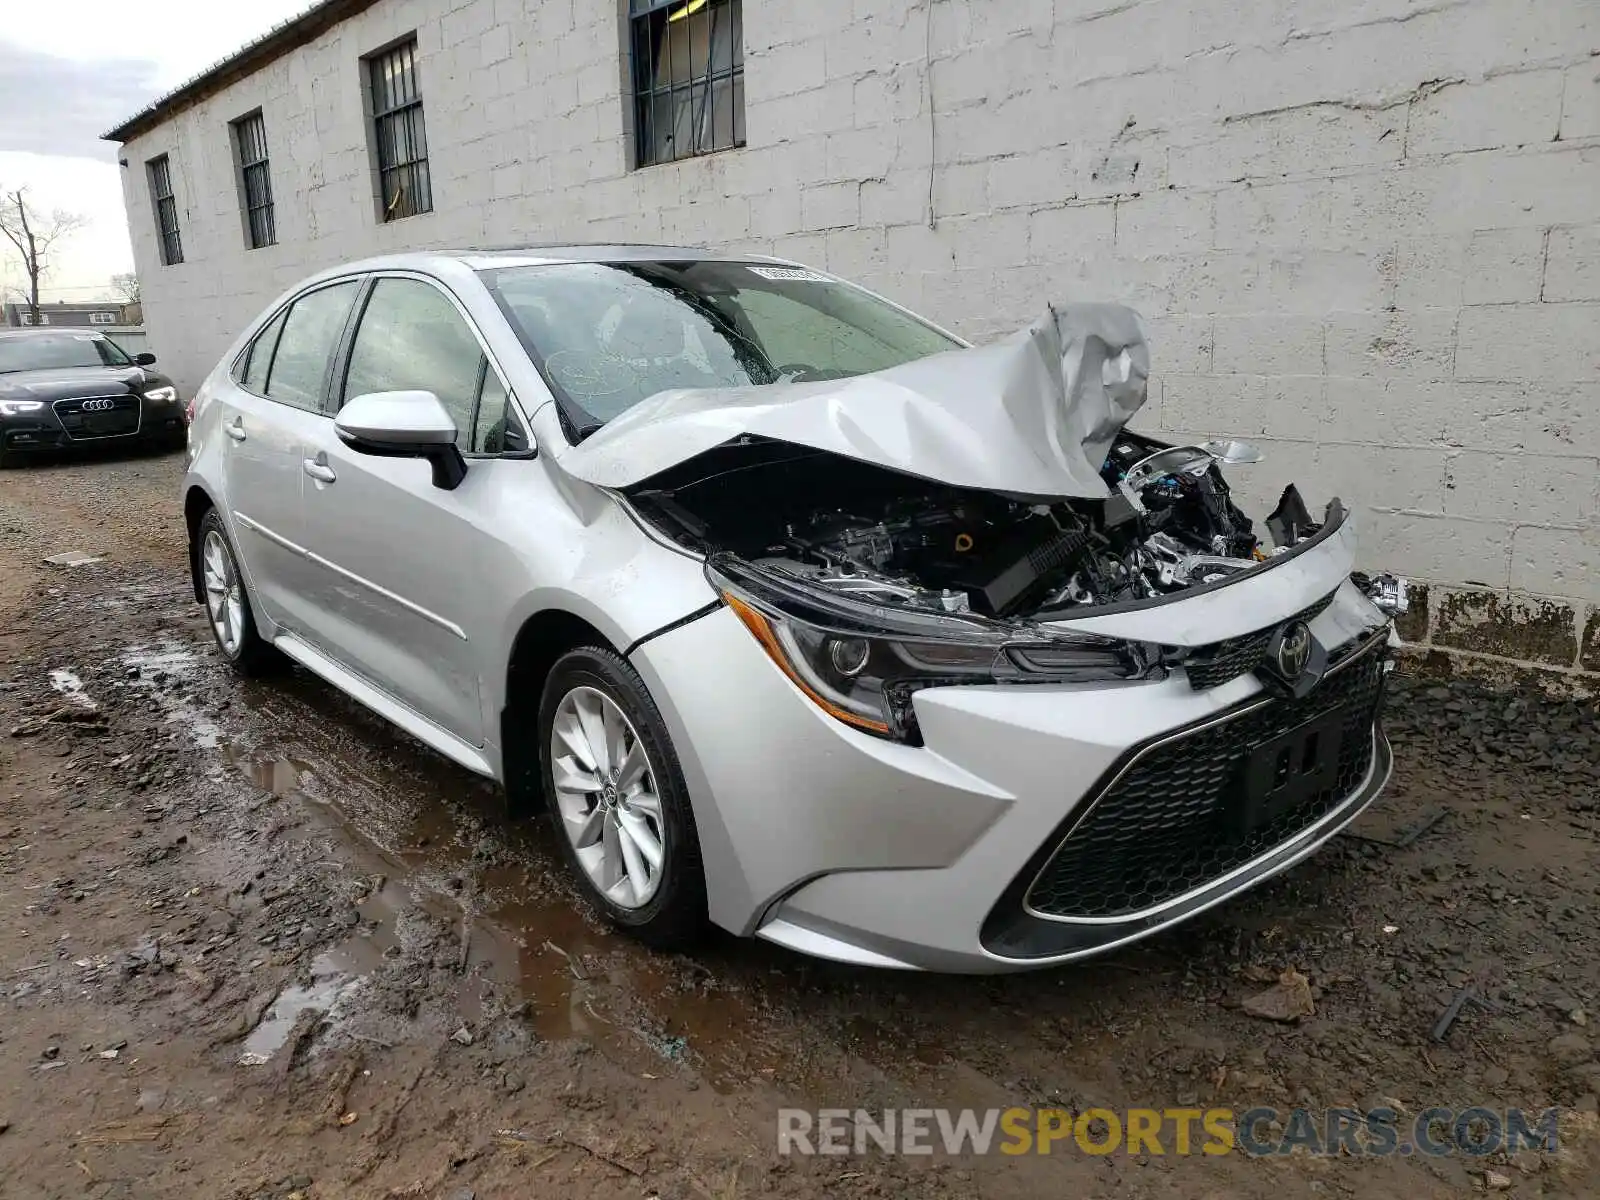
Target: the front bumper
pixel 62 424
pixel 852 847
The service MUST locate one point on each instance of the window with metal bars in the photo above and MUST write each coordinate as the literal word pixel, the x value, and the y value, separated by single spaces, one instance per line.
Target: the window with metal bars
pixel 404 186
pixel 166 208
pixel 255 181
pixel 688 77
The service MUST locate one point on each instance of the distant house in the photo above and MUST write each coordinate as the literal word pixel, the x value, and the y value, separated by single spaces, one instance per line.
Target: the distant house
pixel 75 316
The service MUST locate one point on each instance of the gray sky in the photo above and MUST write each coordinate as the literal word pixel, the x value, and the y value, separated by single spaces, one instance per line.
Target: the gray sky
pixel 72 69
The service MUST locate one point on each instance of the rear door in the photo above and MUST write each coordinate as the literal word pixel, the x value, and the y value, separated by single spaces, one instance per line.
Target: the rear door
pixel 271 410
pixel 396 558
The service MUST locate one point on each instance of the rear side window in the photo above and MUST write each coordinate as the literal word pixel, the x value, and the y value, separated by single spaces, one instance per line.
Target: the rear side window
pixel 259 356
pixel 411 338
pixel 310 335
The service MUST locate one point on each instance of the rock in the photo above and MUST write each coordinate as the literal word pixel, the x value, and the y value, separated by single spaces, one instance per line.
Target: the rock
pixel 463 1036
pixel 1578 1017
pixel 1495 1181
pixel 51 1052
pixel 1287 1000
pixel 463 1194
pixel 4 1125
pixel 1495 1076
pixel 299 1183
pixel 1570 1049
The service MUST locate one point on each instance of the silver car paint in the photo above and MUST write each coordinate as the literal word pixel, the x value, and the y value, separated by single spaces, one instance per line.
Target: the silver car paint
pixel 411 598
pixel 342 567
pixel 1052 395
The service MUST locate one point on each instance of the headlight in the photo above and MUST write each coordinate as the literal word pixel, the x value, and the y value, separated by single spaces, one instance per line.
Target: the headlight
pixel 862 663
pixel 12 408
pixel 162 395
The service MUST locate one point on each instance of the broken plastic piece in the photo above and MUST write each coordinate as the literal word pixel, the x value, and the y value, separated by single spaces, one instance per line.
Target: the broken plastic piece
pixel 1291 520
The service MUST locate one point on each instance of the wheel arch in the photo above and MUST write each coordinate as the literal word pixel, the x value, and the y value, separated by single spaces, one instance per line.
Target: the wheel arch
pixel 196 503
pixel 543 637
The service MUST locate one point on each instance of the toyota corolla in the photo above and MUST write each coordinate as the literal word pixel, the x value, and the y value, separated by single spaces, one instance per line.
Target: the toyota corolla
pixel 798 615
pixel 62 388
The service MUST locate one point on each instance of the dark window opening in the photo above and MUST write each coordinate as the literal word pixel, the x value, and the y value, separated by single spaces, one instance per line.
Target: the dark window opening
pixel 404 186
pixel 688 77
pixel 166 207
pixel 250 137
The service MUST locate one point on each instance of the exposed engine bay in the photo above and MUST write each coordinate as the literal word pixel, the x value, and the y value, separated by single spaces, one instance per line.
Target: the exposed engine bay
pixel 893 539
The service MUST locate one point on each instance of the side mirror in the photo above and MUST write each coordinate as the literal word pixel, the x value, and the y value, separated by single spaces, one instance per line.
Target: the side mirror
pixel 144 359
pixel 404 425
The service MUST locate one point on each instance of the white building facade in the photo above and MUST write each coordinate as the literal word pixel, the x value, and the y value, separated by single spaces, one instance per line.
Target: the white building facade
pixel 1366 235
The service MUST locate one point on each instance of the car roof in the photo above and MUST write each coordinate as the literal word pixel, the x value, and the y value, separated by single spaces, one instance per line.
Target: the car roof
pixel 480 258
pixel 15 331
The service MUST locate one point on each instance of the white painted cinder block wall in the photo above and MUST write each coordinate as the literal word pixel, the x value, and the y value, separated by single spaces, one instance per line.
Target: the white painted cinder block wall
pixel 1365 234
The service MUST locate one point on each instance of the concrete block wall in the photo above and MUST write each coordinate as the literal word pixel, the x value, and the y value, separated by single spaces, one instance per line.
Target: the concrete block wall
pixel 1365 235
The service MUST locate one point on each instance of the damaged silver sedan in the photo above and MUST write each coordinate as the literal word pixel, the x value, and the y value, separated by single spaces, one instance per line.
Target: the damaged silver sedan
pixel 797 614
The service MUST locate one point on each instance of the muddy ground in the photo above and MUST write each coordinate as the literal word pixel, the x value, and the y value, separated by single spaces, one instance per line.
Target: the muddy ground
pixel 253 942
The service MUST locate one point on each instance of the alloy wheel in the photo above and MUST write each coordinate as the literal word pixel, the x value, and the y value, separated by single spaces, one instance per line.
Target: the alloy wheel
pixel 224 596
pixel 605 793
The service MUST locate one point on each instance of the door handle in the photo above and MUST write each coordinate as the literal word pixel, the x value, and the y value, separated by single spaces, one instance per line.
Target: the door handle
pixel 236 430
pixel 318 470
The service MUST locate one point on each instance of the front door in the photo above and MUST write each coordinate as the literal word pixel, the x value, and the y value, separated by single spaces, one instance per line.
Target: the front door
pixel 395 557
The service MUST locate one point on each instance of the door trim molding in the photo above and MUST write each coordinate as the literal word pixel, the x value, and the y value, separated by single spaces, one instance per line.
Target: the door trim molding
pixel 426 614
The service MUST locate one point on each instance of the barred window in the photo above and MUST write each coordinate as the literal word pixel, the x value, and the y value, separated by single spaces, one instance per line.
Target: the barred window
pixel 250 141
pixel 102 318
pixel 166 206
pixel 402 145
pixel 688 77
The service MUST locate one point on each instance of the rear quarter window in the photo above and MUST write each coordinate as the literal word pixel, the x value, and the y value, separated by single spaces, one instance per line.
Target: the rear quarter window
pixel 311 332
pixel 258 357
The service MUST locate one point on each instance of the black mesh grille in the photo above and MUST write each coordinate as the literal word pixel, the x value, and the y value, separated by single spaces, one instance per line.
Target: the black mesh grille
pixel 1212 666
pixel 99 416
pixel 1170 824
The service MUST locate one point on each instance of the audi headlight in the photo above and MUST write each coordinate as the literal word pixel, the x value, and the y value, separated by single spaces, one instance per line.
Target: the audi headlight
pixel 162 395
pixel 12 408
pixel 862 663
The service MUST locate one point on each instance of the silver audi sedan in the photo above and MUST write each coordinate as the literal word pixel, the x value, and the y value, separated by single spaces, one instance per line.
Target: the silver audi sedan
pixel 798 615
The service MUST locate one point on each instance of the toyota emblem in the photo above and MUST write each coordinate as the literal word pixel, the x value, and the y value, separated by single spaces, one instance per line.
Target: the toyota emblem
pixel 1294 650
pixel 99 405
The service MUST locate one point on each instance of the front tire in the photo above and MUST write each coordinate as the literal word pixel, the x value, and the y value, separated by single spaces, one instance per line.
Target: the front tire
pixel 228 611
pixel 616 792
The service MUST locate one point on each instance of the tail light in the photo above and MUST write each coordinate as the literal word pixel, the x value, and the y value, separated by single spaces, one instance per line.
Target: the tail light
pixel 188 410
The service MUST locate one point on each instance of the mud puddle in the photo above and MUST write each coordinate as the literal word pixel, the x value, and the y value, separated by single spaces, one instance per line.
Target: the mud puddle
pixel 330 986
pixel 433 833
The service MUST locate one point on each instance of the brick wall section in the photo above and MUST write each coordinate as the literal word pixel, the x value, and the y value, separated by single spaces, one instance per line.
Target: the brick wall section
pixel 1365 234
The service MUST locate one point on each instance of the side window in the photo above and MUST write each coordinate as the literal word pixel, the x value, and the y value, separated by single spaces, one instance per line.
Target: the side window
pixel 497 428
pixel 311 331
pixel 411 338
pixel 259 357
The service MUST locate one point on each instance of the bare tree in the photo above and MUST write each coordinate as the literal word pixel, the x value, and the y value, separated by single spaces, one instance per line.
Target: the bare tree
pixel 34 235
pixel 126 286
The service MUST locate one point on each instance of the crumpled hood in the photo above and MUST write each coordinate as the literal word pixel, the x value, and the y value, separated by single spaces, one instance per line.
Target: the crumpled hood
pixel 1032 415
